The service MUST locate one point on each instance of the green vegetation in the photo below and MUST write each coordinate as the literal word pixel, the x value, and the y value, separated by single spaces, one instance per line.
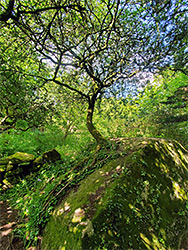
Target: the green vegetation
pixel 142 116
pixel 137 201
pixel 160 110
pixel 37 194
pixel 87 47
pixel 95 80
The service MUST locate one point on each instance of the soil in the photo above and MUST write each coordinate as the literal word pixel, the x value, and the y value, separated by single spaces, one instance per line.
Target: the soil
pixel 8 222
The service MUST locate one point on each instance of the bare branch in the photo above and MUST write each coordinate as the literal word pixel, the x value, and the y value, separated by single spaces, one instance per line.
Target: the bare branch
pixel 76 7
pixel 70 88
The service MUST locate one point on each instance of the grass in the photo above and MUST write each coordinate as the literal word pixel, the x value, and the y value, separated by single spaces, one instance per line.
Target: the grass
pixel 37 194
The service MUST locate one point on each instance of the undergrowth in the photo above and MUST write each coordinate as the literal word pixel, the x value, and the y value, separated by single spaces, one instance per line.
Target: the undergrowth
pixel 36 195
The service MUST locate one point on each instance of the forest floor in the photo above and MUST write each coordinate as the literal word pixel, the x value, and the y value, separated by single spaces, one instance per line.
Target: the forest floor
pixel 8 221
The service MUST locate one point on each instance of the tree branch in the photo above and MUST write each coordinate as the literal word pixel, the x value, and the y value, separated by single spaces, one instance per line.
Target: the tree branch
pixel 8 12
pixel 70 88
pixel 76 7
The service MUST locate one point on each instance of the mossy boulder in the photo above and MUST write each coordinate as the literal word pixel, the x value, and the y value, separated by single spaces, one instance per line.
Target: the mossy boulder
pixel 51 156
pixel 14 165
pixel 48 156
pixel 21 164
pixel 137 201
pixel 17 158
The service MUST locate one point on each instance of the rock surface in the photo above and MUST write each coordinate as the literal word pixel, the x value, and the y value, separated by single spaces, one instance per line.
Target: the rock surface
pixel 17 158
pixel 49 156
pixel 21 164
pixel 13 166
pixel 137 201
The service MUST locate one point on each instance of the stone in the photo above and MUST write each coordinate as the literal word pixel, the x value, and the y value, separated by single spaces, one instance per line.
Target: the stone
pixel 38 162
pixel 51 156
pixel 17 158
pixel 140 204
pixel 14 166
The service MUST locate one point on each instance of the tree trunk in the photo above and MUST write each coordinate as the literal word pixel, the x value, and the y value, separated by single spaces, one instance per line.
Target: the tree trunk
pixel 101 141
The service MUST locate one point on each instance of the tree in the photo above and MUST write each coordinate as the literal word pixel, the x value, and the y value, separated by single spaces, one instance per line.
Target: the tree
pixel 24 101
pixel 69 109
pixel 160 110
pixel 99 43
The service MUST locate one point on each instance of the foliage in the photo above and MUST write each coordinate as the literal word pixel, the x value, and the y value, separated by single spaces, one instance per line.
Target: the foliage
pixel 160 110
pixel 99 43
pixel 165 119
pixel 31 141
pixel 69 108
pixel 36 195
pixel 24 101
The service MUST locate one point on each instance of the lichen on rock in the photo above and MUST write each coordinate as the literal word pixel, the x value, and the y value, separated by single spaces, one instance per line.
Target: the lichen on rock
pixel 137 201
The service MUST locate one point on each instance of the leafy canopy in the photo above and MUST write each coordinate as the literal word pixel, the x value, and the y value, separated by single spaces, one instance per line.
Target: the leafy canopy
pixel 100 42
pixel 24 102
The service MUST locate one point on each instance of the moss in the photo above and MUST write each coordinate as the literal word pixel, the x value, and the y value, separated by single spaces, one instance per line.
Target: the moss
pixel 51 156
pixel 133 202
pixel 38 161
pixel 3 168
pixel 17 158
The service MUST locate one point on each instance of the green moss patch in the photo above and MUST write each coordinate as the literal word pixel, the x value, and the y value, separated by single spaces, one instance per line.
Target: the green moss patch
pixel 138 201
pixel 17 158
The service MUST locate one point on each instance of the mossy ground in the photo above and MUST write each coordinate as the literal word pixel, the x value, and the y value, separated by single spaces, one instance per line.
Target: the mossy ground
pixel 137 201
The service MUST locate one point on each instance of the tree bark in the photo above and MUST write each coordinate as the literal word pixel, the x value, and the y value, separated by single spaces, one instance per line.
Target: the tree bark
pixel 101 141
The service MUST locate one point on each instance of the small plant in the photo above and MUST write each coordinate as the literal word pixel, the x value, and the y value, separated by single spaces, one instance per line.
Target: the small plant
pixel 36 195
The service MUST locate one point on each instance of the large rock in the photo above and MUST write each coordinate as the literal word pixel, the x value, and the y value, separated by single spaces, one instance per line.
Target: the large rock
pixel 17 158
pixel 15 165
pixel 138 201
pixel 51 156
pixel 48 156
